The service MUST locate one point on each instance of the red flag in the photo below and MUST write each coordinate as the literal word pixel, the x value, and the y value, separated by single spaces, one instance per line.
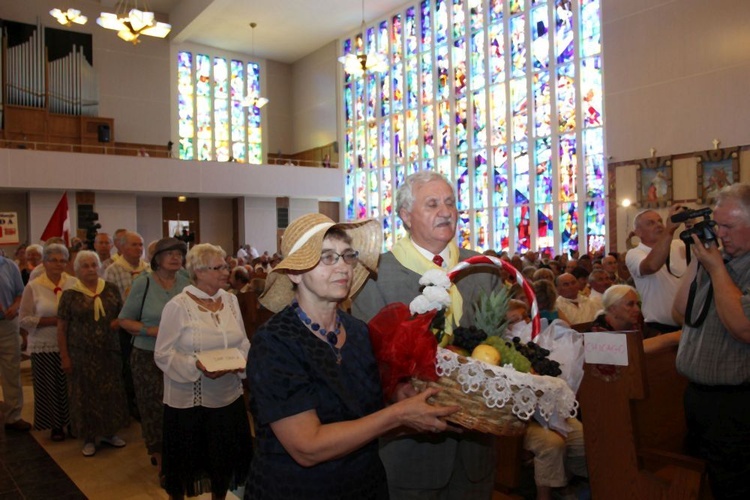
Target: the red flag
pixel 59 223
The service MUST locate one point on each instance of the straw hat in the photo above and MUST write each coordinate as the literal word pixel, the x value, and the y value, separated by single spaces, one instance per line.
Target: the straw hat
pixel 301 246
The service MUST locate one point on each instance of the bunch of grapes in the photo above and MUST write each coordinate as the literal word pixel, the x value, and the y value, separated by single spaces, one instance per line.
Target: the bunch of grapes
pixel 509 354
pixel 468 338
pixel 538 356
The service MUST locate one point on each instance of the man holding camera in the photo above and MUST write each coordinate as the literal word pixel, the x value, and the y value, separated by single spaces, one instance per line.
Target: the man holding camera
pixel 657 265
pixel 714 351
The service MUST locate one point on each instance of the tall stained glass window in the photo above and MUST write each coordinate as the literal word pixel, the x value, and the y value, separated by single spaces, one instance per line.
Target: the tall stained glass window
pixel 504 97
pixel 213 121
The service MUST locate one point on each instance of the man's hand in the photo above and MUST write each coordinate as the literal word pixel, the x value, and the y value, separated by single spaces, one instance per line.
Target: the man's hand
pixel 672 226
pixel 708 254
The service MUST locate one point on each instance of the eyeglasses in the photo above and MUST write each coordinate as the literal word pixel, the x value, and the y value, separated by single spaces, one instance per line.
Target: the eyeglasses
pixel 222 267
pixel 57 261
pixel 350 257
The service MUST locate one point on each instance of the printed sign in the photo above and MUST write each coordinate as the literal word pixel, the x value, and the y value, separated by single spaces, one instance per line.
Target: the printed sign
pixel 607 348
pixel 8 228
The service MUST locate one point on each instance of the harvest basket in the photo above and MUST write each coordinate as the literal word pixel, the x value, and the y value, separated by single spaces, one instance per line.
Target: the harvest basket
pixel 494 399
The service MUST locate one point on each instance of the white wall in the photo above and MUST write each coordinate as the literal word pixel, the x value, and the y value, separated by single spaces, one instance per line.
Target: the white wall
pixel 279 112
pixel 116 210
pixel 315 98
pixel 216 222
pixel 27 169
pixel 150 218
pixel 675 75
pixel 258 223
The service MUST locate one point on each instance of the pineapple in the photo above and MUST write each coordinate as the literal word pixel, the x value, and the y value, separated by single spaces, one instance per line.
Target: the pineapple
pixel 490 311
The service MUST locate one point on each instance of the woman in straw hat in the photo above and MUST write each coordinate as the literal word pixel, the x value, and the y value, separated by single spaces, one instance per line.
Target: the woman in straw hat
pixel 314 383
pixel 206 441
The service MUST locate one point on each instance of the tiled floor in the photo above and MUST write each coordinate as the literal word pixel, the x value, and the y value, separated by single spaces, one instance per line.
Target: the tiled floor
pixel 34 467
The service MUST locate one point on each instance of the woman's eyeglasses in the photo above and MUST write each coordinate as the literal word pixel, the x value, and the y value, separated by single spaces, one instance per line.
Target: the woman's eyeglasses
pixel 350 257
pixel 222 267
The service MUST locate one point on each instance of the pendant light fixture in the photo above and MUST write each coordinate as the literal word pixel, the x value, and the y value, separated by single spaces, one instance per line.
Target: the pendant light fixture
pixel 68 17
pixel 251 99
pixel 358 63
pixel 133 19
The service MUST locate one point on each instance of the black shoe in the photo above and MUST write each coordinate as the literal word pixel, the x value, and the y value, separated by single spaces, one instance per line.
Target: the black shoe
pixel 19 425
pixel 57 435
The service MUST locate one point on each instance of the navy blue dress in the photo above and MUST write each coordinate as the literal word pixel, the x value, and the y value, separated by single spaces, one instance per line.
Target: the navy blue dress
pixel 290 371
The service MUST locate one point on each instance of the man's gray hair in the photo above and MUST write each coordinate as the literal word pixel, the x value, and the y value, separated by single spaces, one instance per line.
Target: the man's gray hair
pixel 739 193
pixel 405 193
pixel 596 273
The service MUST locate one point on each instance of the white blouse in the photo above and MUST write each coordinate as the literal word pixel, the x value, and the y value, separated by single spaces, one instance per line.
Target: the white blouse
pixel 187 329
pixel 37 302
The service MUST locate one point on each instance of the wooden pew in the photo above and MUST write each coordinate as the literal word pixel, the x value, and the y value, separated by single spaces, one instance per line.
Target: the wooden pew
pixel 634 426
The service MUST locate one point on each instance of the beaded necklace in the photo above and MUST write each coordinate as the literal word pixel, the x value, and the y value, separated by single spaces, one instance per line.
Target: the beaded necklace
pixel 331 337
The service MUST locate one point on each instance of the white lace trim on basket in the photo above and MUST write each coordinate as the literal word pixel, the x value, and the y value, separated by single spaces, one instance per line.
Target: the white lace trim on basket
pixel 502 385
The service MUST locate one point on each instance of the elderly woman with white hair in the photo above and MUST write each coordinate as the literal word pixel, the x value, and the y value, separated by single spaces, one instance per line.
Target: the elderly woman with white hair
pixel 621 310
pixel 206 443
pixel 33 260
pixel 87 333
pixel 38 315
pixel 622 313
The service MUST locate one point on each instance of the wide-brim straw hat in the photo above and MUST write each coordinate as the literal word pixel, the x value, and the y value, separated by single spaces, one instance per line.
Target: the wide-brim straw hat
pixel 301 246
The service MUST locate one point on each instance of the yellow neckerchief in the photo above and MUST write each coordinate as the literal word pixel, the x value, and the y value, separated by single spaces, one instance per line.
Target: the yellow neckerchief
pixel 409 257
pixel 98 304
pixel 134 270
pixel 44 281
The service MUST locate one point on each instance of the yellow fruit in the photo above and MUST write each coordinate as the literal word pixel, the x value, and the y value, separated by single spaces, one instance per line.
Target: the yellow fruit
pixel 486 353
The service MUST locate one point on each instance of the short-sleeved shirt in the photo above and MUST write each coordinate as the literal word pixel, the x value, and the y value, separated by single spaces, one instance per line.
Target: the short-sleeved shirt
pixel 708 354
pixel 659 289
pixel 290 371
pixel 11 284
pixel 156 298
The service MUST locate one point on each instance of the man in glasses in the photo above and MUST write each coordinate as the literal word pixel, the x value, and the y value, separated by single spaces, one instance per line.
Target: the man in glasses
pixel 442 465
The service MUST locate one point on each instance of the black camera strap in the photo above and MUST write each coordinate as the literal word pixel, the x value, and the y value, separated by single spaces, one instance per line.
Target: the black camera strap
pixel 691 299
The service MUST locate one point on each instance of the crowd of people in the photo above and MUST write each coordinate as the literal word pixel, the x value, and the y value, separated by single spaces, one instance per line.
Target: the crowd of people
pixel 115 335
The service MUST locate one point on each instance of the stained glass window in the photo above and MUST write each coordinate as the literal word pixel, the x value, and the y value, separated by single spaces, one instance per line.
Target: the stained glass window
pixel 504 98
pixel 213 121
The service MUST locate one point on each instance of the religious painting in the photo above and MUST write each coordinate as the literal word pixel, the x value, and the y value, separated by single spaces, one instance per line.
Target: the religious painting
pixel 655 182
pixel 716 169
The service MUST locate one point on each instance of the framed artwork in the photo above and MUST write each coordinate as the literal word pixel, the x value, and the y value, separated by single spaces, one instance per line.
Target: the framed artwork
pixel 717 168
pixel 655 182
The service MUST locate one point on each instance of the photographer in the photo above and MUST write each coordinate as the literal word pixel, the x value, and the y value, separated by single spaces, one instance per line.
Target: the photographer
pixel 657 265
pixel 714 351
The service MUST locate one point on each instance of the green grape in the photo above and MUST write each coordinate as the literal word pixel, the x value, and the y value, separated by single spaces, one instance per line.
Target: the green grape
pixel 509 355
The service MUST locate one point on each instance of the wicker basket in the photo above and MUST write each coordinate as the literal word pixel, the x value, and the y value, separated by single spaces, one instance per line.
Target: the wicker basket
pixel 474 414
pixel 496 399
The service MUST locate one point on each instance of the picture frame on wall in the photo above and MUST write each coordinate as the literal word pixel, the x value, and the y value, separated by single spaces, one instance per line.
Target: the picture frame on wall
pixel 717 168
pixel 654 182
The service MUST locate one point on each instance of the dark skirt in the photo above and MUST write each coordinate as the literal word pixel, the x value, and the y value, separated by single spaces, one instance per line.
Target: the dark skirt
pixel 206 450
pixel 148 381
pixel 51 410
